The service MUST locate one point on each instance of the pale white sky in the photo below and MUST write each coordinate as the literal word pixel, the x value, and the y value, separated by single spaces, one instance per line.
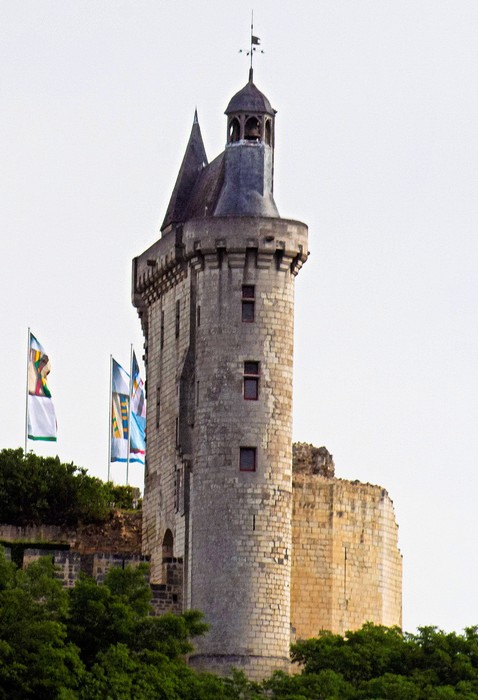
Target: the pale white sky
pixel 377 151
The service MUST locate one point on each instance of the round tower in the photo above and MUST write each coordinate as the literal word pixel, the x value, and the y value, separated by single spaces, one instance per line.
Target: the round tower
pixel 225 265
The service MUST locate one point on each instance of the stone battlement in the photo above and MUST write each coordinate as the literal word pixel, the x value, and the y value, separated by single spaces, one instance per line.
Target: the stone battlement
pixel 223 238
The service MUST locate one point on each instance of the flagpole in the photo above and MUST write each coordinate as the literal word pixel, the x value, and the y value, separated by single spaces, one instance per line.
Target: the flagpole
pixel 252 32
pixel 26 394
pixel 110 414
pixel 129 410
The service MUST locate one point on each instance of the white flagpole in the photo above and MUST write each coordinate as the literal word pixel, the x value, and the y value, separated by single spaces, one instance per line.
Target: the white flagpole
pixel 129 409
pixel 109 415
pixel 26 394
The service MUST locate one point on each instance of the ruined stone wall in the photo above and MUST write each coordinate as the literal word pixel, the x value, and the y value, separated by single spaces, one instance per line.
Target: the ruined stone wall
pixel 168 596
pixel 346 565
pixel 120 534
pixel 70 563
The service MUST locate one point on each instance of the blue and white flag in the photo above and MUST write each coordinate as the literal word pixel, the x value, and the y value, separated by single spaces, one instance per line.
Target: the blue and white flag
pixel 119 413
pixel 138 416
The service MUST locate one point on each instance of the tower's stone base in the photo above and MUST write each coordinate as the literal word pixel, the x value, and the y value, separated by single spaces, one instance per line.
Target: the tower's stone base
pixel 256 668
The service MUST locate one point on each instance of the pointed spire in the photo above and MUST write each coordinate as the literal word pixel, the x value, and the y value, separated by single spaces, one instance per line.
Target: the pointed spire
pixel 195 159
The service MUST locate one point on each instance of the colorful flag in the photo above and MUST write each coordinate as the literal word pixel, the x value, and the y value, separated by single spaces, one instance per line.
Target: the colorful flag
pixel 41 412
pixel 119 413
pixel 138 415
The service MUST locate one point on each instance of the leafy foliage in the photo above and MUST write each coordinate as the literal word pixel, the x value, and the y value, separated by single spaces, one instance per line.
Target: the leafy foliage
pixel 42 490
pixel 381 662
pixel 94 641
pixel 36 658
pixel 99 641
pixel 124 496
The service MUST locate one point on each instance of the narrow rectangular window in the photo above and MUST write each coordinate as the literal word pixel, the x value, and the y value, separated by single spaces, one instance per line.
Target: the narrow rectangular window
pixel 251 381
pixel 198 316
pixel 177 317
pixel 248 303
pixel 161 342
pixel 177 432
pixel 247 459
pixel 158 406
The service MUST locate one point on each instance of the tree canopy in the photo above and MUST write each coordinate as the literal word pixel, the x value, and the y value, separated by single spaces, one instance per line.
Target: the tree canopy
pixel 98 641
pixel 381 662
pixel 94 641
pixel 43 490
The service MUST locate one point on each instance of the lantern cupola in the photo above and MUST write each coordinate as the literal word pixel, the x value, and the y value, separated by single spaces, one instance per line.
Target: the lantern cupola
pixel 249 156
pixel 250 116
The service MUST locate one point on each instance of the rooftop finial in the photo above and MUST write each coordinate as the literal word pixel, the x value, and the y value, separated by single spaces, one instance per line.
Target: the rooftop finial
pixel 255 41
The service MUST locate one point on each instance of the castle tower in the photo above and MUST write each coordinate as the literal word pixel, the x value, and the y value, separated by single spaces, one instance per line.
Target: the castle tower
pixel 215 295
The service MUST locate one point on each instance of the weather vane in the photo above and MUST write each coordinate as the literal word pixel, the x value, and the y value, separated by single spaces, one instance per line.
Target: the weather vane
pixel 255 42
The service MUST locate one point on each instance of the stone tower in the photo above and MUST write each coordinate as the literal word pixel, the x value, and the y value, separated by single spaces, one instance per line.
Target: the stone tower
pixel 215 295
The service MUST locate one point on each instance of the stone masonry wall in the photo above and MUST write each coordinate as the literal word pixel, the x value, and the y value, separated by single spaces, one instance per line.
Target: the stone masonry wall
pixel 346 565
pixel 121 533
pixel 231 527
pixel 167 596
pixel 93 550
pixel 69 564
pixel 165 306
pixel 167 349
pixel 241 520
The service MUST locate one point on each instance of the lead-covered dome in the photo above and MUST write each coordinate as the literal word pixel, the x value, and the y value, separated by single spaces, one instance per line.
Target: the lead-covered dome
pixel 250 116
pixel 249 99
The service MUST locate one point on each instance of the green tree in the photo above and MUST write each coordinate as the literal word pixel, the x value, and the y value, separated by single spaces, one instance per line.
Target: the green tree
pixel 123 496
pixel 95 641
pixel 36 490
pixel 380 662
pixel 445 658
pixel 99 618
pixel 324 685
pixel 36 658
pixel 391 687
pixel 118 612
pixel 359 656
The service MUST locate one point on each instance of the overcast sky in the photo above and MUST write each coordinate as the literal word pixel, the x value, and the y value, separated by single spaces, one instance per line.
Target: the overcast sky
pixel 377 151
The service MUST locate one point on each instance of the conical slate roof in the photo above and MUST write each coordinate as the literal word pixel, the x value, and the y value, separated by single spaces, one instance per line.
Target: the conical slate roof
pixel 194 161
pixel 249 99
pixel 204 189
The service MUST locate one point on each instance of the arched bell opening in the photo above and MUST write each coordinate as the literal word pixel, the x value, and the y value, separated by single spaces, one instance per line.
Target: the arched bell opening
pixel 252 129
pixel 268 132
pixel 234 131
